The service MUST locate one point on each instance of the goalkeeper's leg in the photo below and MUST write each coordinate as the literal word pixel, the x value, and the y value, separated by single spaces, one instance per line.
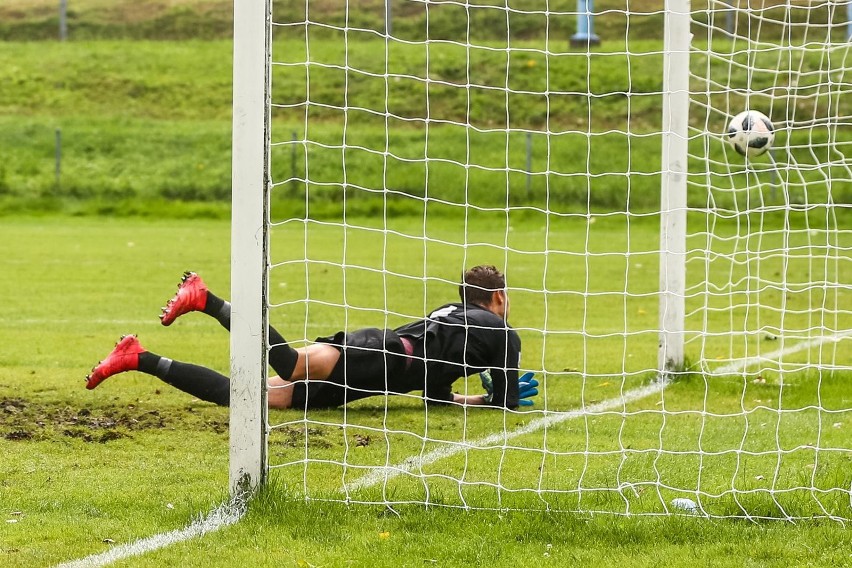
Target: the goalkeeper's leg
pixel 193 295
pixel 129 355
pixel 207 384
pixel 201 382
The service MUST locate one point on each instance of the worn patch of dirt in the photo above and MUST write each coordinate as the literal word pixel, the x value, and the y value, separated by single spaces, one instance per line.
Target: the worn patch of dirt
pixel 23 420
pixel 294 437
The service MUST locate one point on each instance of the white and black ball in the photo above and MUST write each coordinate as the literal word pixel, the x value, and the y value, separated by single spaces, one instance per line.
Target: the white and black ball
pixel 751 133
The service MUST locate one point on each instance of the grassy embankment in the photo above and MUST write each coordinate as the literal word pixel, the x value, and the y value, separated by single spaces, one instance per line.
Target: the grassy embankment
pixel 145 126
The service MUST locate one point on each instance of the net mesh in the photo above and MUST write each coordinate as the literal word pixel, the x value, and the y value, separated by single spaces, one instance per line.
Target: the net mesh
pixel 409 144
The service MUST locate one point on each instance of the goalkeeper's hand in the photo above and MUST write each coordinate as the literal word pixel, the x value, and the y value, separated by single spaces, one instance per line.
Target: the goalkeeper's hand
pixel 488 385
pixel 527 389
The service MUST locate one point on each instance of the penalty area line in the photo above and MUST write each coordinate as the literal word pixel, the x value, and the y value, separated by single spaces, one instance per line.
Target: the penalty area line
pixel 224 515
pixel 386 473
pixel 775 356
pixel 232 511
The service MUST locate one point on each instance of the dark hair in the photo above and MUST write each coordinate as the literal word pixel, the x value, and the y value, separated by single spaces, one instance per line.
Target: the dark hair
pixel 479 284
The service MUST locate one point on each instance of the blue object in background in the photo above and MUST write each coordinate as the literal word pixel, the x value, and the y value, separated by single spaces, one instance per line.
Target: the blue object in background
pixel 585 25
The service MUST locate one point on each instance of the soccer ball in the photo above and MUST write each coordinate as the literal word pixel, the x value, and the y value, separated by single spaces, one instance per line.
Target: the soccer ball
pixel 751 133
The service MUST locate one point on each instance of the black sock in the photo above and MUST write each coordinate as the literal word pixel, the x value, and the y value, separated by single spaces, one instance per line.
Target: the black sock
pixel 201 382
pixel 282 357
pixel 219 309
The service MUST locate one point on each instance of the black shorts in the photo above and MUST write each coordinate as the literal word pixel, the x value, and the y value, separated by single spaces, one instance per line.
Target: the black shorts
pixel 372 362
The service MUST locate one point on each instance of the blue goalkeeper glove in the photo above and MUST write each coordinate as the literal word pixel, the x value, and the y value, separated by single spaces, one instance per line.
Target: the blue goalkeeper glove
pixel 488 385
pixel 527 389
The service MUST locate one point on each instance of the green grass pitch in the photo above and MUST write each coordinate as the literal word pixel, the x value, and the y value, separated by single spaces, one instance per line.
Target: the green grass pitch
pixel 141 97
pixel 84 471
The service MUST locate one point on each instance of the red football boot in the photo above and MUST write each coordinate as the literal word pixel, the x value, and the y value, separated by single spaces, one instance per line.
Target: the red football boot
pixel 125 357
pixel 191 297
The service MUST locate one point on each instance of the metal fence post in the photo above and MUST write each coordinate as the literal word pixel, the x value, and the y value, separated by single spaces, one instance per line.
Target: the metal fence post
pixel 63 20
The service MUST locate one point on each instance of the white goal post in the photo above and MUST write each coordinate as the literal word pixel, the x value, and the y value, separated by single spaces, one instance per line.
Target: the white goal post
pixel 687 310
pixel 675 133
pixel 249 245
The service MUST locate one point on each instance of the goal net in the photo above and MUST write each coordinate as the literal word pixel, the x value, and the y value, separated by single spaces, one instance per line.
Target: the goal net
pixel 687 310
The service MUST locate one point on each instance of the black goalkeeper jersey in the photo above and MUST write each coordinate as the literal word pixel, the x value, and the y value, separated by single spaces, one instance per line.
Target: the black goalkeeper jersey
pixel 458 340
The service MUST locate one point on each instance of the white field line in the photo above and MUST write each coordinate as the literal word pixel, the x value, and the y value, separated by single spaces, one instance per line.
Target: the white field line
pixel 386 473
pixel 742 364
pixel 413 463
pixel 224 515
pixel 232 511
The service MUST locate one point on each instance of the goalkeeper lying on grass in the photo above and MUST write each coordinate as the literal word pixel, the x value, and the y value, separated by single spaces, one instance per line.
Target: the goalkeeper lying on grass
pixel 455 340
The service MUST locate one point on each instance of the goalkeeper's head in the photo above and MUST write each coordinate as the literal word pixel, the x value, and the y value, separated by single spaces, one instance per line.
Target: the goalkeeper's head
pixel 485 286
